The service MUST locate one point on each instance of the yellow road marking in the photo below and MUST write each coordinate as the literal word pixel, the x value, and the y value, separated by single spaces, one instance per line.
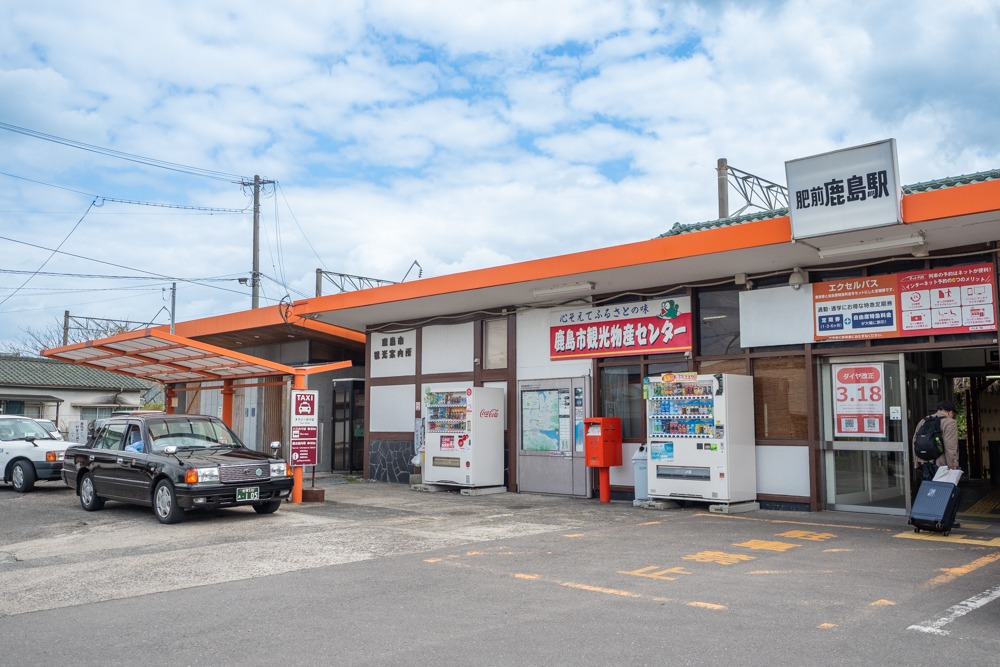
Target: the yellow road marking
pixel 524 576
pixel 740 517
pixel 807 535
pixel 827 626
pixel 953 539
pixel 719 557
pixel 651 523
pixel 767 546
pixel 882 603
pixel 706 605
pixel 835 551
pixel 654 572
pixel 952 573
pixel 574 535
pixel 600 589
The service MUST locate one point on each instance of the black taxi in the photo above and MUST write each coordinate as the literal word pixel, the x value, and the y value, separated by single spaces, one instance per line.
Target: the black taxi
pixel 174 463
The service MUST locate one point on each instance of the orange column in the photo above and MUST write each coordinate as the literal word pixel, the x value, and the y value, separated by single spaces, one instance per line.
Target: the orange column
pixel 227 402
pixel 169 396
pixel 298 382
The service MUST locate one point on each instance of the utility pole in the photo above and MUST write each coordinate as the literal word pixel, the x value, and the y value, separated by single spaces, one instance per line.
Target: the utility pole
pixel 255 276
pixel 173 306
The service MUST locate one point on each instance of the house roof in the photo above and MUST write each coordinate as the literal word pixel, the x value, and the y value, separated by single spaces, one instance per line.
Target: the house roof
pixel 16 371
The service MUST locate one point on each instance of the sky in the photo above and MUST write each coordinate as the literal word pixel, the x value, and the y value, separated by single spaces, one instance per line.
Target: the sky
pixel 408 138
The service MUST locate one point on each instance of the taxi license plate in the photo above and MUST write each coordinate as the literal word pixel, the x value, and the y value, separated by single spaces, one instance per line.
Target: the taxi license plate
pixel 247 493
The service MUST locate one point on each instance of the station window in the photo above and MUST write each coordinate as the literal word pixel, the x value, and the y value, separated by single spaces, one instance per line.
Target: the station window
pixel 779 397
pixel 719 322
pixel 495 344
pixel 621 396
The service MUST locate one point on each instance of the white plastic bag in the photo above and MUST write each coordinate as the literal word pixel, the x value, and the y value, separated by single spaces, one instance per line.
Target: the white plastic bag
pixel 945 474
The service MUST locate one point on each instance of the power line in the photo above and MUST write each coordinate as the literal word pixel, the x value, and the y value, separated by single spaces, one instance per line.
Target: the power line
pixel 103 199
pixel 112 277
pixel 151 162
pixel 51 255
pixel 120 266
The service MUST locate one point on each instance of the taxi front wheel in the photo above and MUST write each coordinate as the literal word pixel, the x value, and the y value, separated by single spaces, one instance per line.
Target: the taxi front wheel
pixel 165 503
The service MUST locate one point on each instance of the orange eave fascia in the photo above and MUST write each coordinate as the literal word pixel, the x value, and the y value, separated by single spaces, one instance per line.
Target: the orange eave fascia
pixel 253 319
pixel 952 202
pixel 704 242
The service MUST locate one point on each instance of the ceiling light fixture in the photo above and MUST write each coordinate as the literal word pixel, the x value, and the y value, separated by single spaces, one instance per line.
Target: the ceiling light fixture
pixel 916 242
pixel 562 290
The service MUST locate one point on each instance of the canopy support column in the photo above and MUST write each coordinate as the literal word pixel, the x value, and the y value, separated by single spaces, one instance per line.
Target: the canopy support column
pixel 227 402
pixel 298 382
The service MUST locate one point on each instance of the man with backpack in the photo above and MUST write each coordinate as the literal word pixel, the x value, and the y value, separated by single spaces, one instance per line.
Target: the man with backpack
pixel 940 437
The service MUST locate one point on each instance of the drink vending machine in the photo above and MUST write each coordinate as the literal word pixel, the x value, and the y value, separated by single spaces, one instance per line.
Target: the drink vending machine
pixel 701 437
pixel 463 436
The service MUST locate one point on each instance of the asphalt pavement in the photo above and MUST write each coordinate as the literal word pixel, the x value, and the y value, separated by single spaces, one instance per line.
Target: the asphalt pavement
pixel 380 574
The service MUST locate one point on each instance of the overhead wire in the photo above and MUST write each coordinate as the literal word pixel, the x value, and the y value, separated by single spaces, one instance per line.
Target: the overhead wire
pixel 131 157
pixel 277 185
pixel 121 266
pixel 51 255
pixel 184 207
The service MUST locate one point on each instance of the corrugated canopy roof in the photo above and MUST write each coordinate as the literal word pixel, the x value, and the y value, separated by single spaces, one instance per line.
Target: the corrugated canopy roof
pixel 156 355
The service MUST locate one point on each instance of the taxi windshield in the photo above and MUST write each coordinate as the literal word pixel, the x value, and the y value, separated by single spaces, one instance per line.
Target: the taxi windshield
pixel 191 433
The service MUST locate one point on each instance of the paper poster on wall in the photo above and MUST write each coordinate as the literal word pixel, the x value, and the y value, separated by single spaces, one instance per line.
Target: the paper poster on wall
pixel 859 400
pixel 855 308
pixel 956 299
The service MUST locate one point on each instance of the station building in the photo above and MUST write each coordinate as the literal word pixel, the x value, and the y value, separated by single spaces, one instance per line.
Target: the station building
pixel 854 309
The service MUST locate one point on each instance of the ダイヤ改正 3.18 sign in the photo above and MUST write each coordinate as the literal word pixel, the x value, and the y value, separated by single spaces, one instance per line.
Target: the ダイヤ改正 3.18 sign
pixel 859 400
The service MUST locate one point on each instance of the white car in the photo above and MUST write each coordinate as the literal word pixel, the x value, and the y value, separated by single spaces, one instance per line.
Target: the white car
pixel 50 427
pixel 28 453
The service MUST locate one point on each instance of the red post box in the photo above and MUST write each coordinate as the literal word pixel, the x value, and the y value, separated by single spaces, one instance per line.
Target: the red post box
pixel 603 441
pixel 603 448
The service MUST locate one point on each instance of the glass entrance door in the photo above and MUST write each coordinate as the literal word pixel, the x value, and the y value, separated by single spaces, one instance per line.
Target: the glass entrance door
pixel 865 451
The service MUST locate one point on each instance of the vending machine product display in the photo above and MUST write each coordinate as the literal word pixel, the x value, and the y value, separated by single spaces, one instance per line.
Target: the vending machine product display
pixel 700 431
pixel 463 436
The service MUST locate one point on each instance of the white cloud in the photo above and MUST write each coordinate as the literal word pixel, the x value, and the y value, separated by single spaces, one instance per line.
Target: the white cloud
pixel 457 134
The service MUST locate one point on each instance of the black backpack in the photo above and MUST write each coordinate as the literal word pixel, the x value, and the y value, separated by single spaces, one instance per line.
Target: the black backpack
pixel 927 443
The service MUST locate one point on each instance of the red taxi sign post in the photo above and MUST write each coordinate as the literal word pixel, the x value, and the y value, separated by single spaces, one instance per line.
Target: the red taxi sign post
pixel 304 429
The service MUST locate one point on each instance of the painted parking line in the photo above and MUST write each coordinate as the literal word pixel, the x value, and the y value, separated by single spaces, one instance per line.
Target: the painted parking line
pixel 934 626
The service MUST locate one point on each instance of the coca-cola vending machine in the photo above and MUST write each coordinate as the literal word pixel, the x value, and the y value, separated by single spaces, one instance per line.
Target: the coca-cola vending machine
pixel 463 436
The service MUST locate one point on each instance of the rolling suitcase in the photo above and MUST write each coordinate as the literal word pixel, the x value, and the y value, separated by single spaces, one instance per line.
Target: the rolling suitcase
pixel 935 507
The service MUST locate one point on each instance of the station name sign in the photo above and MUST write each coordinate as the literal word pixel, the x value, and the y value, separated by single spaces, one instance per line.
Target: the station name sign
pixel 846 190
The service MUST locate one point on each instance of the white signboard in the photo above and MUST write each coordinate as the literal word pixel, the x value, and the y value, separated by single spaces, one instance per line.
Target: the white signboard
pixel 846 190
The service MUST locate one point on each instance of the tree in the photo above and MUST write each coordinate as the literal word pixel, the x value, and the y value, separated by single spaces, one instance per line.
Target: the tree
pixel 66 332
